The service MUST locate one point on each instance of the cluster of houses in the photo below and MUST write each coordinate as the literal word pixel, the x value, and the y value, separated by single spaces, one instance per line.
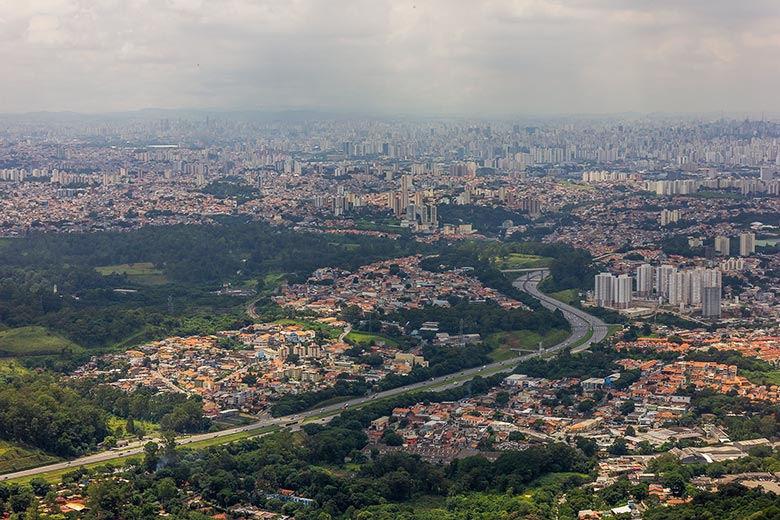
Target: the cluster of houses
pixel 259 364
pixel 400 283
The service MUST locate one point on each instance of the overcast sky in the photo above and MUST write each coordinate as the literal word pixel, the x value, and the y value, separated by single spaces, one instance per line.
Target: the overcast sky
pixel 391 56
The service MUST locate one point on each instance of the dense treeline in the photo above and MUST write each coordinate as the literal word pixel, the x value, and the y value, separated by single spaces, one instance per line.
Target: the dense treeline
pixel 71 419
pixel 729 357
pixel 485 219
pixel 174 411
pixel 598 361
pixel 483 319
pixel 743 418
pixel 228 190
pixel 42 413
pixel 570 267
pixel 672 320
pixel 731 502
pixel 50 279
pixel 570 270
pixel 205 253
pixel 289 404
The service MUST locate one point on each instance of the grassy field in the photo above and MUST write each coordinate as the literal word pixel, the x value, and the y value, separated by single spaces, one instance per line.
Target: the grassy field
pixel 555 479
pixel 33 341
pixel 505 343
pixel 379 226
pixel 149 427
pixel 273 280
pixel 570 184
pixel 144 273
pixel 521 261
pixel 614 329
pixel 363 338
pixel 9 367
pixel 326 330
pixel 762 378
pixel 567 296
pixel 231 438
pixel 715 195
pixel 16 458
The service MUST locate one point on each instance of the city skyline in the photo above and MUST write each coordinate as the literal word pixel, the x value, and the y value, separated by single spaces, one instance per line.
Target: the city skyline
pixel 437 58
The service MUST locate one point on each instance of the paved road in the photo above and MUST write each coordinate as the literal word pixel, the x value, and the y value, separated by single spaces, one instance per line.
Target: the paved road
pixel 343 335
pixel 250 310
pixel 580 321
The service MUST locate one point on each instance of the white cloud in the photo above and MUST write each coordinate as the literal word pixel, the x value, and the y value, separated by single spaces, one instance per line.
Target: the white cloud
pixel 496 56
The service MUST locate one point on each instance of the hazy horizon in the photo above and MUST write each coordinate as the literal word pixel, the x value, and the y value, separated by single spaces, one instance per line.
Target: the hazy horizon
pixel 437 57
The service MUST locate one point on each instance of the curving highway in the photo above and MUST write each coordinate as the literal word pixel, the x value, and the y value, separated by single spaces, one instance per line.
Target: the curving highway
pixel 581 324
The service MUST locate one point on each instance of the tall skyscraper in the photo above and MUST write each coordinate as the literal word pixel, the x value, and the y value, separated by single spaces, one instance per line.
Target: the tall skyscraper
pixel 644 280
pixel 622 291
pixel 664 274
pixel 747 244
pixel 406 186
pixel 723 246
pixel 676 292
pixel 710 307
pixel 604 292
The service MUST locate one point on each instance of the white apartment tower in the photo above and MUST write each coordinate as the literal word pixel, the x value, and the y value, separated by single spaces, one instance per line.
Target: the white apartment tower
pixel 722 245
pixel 710 307
pixel 603 290
pixel 747 244
pixel 644 280
pixel 663 277
pixel 622 291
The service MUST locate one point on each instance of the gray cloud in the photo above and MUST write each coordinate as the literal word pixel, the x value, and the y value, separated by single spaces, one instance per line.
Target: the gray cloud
pixel 425 56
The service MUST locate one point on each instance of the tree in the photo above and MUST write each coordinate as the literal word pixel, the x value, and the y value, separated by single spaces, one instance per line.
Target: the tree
pixel 588 446
pixel 516 436
pixel 351 314
pixel 21 499
pixel 130 425
pixel 109 441
pixel 760 451
pixel 640 491
pixel 166 489
pixel 392 439
pixel 151 456
pixel 676 484
pixel 108 498
pixel 40 486
pixel 169 447
pixel 619 447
